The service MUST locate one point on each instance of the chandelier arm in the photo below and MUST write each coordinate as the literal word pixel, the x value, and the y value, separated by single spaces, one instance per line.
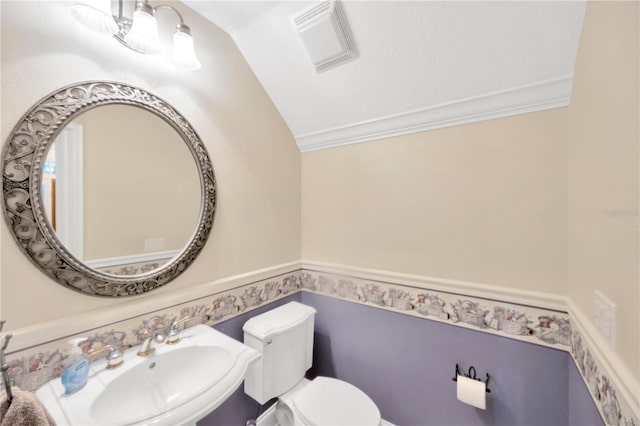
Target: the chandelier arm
pixel 120 6
pixel 164 6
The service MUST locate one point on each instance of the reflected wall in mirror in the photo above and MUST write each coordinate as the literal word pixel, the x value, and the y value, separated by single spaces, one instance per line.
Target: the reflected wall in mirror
pixel 114 183
pixel 108 189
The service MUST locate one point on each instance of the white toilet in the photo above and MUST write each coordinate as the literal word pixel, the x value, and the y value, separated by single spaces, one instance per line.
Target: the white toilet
pixel 284 337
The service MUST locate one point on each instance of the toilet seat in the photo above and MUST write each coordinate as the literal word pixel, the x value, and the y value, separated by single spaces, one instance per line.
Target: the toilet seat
pixel 326 401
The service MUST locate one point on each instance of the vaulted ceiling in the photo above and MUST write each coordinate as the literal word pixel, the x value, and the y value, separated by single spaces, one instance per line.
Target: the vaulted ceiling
pixel 420 65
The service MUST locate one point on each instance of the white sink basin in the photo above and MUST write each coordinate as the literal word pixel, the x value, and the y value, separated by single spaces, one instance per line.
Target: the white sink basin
pixel 176 385
pixel 161 383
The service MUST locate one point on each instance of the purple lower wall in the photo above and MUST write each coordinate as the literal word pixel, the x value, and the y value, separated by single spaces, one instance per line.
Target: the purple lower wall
pixel 405 364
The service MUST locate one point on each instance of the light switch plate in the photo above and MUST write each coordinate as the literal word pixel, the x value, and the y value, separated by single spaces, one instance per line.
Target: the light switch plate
pixel 604 315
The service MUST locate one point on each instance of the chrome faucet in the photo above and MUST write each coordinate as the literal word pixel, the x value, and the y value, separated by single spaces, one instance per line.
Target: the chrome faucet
pixel 173 336
pixel 114 358
pixel 146 348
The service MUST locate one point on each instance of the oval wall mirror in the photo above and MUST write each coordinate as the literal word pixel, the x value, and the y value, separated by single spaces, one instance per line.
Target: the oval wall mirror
pixel 107 189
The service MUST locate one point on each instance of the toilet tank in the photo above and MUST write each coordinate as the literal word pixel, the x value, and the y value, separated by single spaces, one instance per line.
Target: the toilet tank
pixel 284 338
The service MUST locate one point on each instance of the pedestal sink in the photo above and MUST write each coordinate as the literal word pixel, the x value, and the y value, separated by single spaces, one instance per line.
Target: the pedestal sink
pixel 176 385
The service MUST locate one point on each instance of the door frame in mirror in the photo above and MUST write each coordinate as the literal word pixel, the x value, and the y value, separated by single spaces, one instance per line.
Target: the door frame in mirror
pixel 23 159
pixel 69 188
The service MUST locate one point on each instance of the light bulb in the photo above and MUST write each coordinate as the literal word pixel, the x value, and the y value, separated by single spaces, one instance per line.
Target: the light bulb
pixel 143 35
pixel 183 54
pixel 95 14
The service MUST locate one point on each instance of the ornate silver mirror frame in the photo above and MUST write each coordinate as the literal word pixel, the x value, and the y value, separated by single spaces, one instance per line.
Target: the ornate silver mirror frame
pixel 23 159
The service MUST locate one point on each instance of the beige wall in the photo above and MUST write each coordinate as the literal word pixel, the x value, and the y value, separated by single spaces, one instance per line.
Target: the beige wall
pixel 140 182
pixel 542 202
pixel 257 221
pixel 483 202
pixel 603 170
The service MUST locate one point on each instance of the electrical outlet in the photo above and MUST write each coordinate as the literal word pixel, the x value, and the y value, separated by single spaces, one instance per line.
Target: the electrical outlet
pixel 153 244
pixel 604 315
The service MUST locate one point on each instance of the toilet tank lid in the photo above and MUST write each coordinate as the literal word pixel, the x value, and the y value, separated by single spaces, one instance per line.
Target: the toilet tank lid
pixel 278 320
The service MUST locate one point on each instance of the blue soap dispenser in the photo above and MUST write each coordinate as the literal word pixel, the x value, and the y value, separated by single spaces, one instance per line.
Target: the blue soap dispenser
pixel 76 368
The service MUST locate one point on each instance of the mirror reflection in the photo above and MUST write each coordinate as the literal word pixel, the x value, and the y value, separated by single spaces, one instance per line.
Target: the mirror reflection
pixel 121 189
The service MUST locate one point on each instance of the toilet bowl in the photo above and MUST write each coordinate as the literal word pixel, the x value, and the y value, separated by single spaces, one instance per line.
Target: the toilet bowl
pixel 284 338
pixel 325 401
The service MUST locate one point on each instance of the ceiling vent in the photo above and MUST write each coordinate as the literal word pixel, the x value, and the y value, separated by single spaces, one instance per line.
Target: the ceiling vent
pixel 325 34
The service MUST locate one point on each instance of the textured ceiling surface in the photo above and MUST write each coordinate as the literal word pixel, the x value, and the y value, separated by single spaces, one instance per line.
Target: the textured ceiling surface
pixel 421 65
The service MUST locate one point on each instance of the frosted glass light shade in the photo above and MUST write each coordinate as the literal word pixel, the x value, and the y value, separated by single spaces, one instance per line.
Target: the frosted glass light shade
pixel 95 14
pixel 143 35
pixel 183 54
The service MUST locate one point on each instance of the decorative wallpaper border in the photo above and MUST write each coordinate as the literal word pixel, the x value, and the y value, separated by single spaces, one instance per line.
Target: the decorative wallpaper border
pixel 535 325
pixel 30 368
pixel 612 386
pixel 547 327
pixel 614 410
pixel 134 268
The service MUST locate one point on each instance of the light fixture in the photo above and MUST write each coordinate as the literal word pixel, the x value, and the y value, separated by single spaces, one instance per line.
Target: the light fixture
pixel 139 33
pixel 95 14
pixel 183 53
pixel 143 33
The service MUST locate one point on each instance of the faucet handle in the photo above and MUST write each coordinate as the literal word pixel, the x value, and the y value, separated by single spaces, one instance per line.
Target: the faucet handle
pixel 175 321
pixel 114 357
pixel 158 337
pixel 173 336
pixel 146 348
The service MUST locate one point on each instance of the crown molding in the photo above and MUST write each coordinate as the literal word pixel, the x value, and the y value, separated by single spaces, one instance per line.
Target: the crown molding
pixel 538 96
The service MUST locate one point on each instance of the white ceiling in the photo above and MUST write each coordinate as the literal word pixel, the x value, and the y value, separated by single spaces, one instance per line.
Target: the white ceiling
pixel 421 64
